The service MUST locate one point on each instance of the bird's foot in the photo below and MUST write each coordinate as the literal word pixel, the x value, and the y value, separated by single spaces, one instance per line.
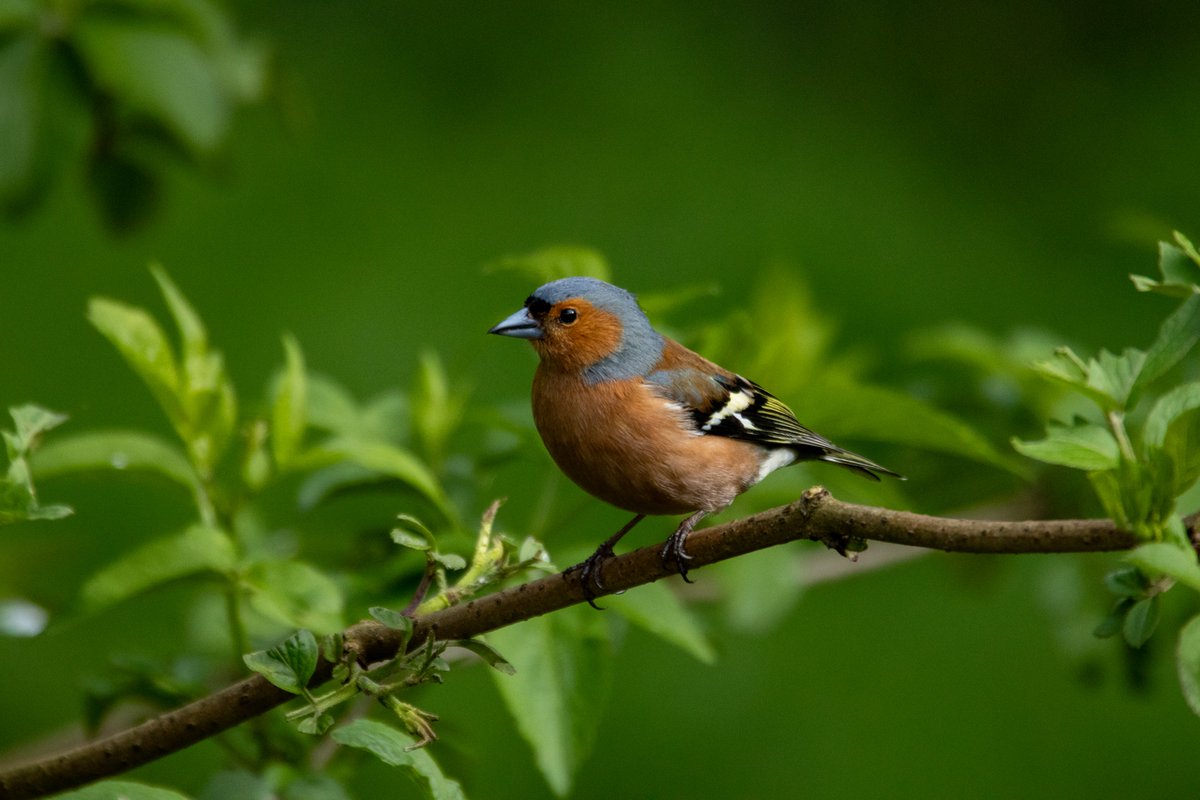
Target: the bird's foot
pixel 590 579
pixel 673 552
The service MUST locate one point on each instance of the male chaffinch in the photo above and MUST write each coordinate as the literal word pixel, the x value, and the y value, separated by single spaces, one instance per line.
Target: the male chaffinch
pixel 643 423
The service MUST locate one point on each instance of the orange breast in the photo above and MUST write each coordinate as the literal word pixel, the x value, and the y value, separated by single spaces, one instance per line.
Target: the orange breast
pixel 626 445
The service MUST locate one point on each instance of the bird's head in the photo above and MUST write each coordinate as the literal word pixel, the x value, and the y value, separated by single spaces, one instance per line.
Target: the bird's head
pixel 586 325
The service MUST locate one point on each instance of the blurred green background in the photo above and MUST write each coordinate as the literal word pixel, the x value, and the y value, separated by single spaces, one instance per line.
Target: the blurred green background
pixel 914 164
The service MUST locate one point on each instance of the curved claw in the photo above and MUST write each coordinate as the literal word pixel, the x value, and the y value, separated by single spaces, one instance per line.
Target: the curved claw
pixel 673 550
pixel 589 573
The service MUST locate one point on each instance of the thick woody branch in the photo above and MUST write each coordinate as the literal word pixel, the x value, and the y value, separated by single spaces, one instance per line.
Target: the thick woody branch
pixel 816 516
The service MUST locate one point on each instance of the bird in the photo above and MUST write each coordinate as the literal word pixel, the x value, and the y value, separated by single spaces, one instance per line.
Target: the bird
pixel 645 424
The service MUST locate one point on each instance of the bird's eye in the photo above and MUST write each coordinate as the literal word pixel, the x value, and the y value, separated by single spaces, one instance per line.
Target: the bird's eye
pixel 568 316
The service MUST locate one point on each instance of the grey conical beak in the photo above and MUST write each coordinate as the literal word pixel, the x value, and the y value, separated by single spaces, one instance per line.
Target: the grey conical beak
pixel 519 325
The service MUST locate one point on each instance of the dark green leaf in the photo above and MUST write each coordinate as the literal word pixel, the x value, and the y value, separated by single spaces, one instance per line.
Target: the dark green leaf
pixel 197 550
pixel 392 747
pixel 289 664
pixel 121 790
pixel 288 413
pixel 1189 663
pixel 1167 559
pixel 1173 428
pixel 1126 582
pixel 297 594
pixel 564 673
pixel 655 608
pixel 1081 445
pixel 21 66
pixel 1176 338
pixel 1111 625
pixel 487 653
pixel 119 450
pixel 1141 621
pixel 158 71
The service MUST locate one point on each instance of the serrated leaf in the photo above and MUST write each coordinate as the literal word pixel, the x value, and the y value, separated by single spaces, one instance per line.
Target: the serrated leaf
pixel 552 263
pixel 564 673
pixel 296 594
pixel 198 549
pixel 488 653
pixel 1188 662
pixel 1141 621
pixel 1167 559
pixel 144 346
pixel 121 790
pixel 1081 445
pixel 391 747
pixel 289 411
pixel 158 71
pixel 657 610
pixel 289 664
pixel 114 449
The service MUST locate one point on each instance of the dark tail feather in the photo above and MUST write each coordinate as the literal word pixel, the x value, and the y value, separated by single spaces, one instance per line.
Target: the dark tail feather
pixel 857 463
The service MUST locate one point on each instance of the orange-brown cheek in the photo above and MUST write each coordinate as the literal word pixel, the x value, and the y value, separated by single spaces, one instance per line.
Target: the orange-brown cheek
pixel 593 338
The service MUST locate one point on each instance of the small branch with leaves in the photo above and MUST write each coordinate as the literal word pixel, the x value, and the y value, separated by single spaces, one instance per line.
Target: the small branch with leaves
pixel 296 667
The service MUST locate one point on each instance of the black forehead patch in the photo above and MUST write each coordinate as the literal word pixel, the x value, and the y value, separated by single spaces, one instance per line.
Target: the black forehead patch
pixel 537 306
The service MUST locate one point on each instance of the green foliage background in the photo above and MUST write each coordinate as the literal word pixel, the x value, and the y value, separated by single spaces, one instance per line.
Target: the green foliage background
pixel 912 165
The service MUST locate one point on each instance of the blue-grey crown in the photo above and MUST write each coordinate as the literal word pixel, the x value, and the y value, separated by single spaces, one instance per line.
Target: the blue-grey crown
pixel 641 346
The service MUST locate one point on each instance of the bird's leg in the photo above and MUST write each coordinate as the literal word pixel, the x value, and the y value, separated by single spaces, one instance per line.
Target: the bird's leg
pixel 589 568
pixel 673 549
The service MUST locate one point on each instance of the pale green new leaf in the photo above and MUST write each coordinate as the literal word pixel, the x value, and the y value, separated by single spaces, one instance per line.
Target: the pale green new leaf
pixel 121 790
pixel 144 346
pixel 289 664
pixel 391 747
pixel 1189 663
pixel 197 550
pixel 1180 268
pixel 30 422
pixel 289 411
pixel 658 610
pixel 1081 445
pixel 1163 558
pixel 113 449
pixel 564 674
pixel 296 594
pixel 552 263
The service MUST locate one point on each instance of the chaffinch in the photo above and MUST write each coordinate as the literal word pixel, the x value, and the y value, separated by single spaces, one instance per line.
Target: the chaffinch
pixel 643 423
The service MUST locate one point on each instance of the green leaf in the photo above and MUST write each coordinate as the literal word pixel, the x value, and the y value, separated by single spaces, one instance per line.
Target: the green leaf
pixel 552 263
pixel 862 411
pixel 488 653
pixel 436 411
pixel 17 14
pixel 192 333
pixel 760 589
pixel 658 610
pixel 159 71
pixel 381 457
pixel 1176 337
pixel 31 422
pixel 121 790
pixel 1108 380
pixel 289 664
pixel 1189 663
pixel 1126 582
pixel 1173 428
pixel 296 594
pixel 1167 559
pixel 1141 621
pixel 114 449
pixel 288 413
pixel 198 549
pixel 394 620
pixel 144 346
pixel 1179 267
pixel 564 673
pixel 21 67
pixel 1081 445
pixel 391 747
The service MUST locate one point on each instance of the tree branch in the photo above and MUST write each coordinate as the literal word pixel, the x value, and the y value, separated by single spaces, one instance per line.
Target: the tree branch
pixel 816 516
